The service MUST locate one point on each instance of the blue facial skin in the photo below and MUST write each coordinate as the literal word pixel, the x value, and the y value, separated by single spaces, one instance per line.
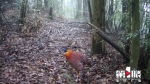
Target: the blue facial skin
pixel 64 49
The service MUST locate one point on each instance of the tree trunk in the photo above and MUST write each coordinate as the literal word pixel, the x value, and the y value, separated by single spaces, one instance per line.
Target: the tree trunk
pixel 46 3
pixel 23 11
pixel 111 13
pixel 98 20
pixel 1 19
pixel 126 23
pixel 103 24
pixel 90 11
pixel 51 13
pixel 79 8
pixel 135 44
pixel 39 4
pixel 148 53
pixel 84 13
pixel 148 71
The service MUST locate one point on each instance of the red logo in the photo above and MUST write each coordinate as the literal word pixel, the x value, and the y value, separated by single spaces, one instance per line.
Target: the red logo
pixel 127 73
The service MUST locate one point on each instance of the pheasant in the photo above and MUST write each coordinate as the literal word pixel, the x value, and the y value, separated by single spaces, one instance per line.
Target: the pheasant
pixel 75 59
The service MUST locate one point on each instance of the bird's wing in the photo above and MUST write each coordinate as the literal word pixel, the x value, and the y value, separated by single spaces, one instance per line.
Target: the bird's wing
pixel 78 65
pixel 83 59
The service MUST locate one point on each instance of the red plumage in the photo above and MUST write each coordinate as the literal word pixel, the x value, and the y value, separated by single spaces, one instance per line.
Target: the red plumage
pixel 76 59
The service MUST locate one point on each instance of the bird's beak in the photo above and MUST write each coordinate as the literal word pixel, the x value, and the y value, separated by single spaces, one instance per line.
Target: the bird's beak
pixel 65 53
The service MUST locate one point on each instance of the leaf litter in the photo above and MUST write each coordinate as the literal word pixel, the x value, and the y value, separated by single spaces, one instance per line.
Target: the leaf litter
pixel 38 58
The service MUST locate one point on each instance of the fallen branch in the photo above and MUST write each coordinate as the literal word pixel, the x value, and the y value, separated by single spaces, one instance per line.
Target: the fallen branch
pixel 108 40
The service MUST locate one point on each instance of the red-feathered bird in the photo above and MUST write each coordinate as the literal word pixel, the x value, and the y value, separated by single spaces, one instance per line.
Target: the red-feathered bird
pixel 75 59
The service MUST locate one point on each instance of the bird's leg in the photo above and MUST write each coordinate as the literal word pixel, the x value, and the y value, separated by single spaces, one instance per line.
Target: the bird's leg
pixel 88 73
pixel 77 72
pixel 78 79
pixel 81 77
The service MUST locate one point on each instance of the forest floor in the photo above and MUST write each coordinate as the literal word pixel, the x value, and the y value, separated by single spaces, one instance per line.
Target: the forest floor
pixel 38 58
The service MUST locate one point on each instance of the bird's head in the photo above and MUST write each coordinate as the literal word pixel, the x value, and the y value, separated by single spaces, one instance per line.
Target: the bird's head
pixel 68 54
pixel 67 51
pixel 64 49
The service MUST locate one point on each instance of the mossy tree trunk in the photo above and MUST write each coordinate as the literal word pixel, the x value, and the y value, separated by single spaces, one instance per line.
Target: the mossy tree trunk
pixel 135 42
pixel 110 13
pixel 148 53
pixel 102 12
pixel 23 11
pixel 90 11
pixel 128 27
pixel 126 24
pixel 51 13
pixel 50 5
pixel 98 19
pixel 148 69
